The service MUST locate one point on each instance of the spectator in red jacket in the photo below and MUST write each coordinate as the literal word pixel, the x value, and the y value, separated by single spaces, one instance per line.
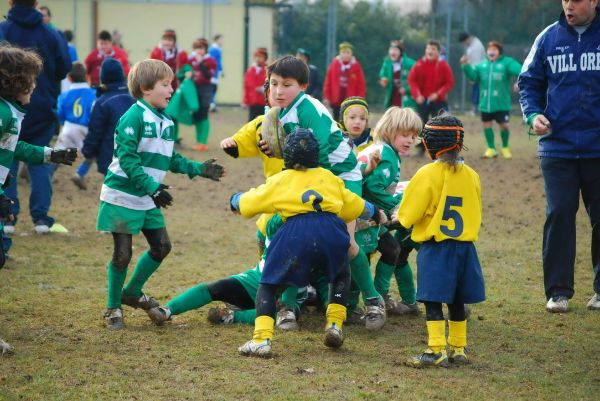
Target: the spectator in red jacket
pixel 168 52
pixel 204 68
pixel 254 84
pixel 345 78
pixel 104 49
pixel 430 80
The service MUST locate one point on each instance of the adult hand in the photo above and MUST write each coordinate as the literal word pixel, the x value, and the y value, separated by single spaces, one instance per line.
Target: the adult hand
pixel 401 91
pixel 541 125
pixel 463 60
pixel 420 99
pixel 433 97
pixel 189 74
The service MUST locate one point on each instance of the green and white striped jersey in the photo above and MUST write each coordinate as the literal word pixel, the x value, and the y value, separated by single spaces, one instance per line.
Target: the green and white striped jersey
pixel 11 117
pixel 335 151
pixel 144 143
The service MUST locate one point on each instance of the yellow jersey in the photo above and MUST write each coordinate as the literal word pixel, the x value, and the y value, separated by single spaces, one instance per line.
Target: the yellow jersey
pixel 294 192
pixel 247 141
pixel 442 202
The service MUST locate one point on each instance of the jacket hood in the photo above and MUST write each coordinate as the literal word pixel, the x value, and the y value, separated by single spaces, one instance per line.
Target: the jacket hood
pixel 25 16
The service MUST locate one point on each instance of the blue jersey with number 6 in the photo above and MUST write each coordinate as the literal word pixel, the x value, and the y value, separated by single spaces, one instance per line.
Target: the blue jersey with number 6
pixel 442 202
pixel 75 105
pixel 294 192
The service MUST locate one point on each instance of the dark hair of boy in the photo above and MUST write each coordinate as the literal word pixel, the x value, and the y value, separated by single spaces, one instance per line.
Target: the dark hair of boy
pixel 463 36
pixel 443 138
pixel 497 45
pixel 217 37
pixel 78 72
pixel 105 35
pixel 435 43
pixel 289 67
pixel 19 70
pixel 301 150
pixel 68 35
pixel 24 3
pixel 45 8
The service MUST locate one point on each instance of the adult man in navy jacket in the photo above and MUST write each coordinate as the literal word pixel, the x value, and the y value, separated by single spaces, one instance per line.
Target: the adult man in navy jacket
pixel 560 98
pixel 24 27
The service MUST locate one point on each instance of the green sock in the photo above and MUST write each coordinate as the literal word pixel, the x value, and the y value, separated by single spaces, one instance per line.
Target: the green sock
pixel 288 297
pixel 353 297
pixel 202 130
pixel 244 316
pixel 360 269
pixel 505 134
pixel 489 137
pixel 406 284
pixel 142 272
pixel 116 278
pixel 194 298
pixel 383 276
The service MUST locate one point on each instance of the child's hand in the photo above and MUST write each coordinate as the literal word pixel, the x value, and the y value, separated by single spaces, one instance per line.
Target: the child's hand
pixel 189 74
pixel 463 60
pixel 161 197
pixel 5 208
pixel 264 147
pixel 383 82
pixel 229 146
pixel 380 216
pixel 234 202
pixel 374 159
pixel 64 156
pixel 212 170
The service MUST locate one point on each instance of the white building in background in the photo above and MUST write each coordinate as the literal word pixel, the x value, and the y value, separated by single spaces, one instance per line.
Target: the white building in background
pixel 410 6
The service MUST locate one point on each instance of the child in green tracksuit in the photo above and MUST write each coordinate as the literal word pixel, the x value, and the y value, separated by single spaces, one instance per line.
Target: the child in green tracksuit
pixel 394 136
pixel 133 192
pixel 18 73
pixel 493 76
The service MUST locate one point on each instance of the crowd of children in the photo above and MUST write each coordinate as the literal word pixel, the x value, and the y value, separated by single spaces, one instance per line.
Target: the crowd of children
pixel 332 196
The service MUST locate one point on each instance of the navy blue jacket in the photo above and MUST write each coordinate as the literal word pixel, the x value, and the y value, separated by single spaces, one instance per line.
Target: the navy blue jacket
pixel 24 28
pixel 108 109
pixel 561 80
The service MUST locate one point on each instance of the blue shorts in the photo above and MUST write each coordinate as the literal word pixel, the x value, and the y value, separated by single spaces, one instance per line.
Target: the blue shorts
pixel 449 272
pixel 304 242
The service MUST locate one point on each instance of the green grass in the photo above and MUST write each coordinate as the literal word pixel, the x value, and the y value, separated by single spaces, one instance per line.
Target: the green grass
pixel 52 296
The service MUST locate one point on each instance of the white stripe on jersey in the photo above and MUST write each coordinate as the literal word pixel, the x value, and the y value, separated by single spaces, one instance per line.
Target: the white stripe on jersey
pixel 120 198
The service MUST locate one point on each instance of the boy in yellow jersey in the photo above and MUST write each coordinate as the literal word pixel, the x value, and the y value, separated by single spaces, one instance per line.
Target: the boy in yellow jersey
pixel 442 203
pixel 315 204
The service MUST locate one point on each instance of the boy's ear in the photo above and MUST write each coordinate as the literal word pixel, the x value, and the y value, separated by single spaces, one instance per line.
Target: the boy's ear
pixel 303 87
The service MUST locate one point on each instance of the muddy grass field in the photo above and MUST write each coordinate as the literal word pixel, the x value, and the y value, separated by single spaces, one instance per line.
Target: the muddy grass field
pixel 52 296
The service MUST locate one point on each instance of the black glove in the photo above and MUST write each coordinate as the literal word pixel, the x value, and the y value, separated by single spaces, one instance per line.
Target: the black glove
pixel 7 181
pixel 63 156
pixel 161 197
pixel 212 170
pixel 5 206
pixel 205 71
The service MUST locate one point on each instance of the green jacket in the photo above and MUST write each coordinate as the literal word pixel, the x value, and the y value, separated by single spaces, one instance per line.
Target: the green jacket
pixel 494 82
pixel 184 102
pixel 387 72
pixel 379 186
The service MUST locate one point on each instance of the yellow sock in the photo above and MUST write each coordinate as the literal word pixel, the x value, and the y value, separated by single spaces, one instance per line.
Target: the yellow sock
pixel 436 329
pixel 336 313
pixel 457 334
pixel 263 328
